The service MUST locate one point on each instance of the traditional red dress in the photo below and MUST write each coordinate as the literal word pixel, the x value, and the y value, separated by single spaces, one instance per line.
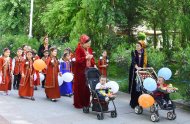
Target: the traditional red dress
pixel 37 81
pixel 18 63
pixel 51 85
pixel 81 89
pixel 26 88
pixel 5 69
pixel 103 70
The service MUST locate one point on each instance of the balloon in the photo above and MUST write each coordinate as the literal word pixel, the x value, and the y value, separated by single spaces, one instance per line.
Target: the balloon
pixel 150 84
pixel 35 77
pixel 67 77
pixel 166 73
pixel 60 80
pixel 42 77
pixel 39 64
pixel 114 86
pixel 146 100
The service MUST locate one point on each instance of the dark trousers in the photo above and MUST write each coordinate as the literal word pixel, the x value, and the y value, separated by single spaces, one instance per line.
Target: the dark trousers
pixel 43 82
pixel 16 82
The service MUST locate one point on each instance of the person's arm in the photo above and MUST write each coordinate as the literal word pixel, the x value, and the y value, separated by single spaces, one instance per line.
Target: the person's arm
pixel 79 57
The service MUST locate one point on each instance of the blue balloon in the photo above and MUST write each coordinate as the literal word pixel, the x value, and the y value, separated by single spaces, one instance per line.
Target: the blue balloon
pixel 166 73
pixel 150 84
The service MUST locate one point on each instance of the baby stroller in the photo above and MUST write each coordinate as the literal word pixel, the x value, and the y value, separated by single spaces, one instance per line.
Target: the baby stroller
pixel 158 105
pixel 97 105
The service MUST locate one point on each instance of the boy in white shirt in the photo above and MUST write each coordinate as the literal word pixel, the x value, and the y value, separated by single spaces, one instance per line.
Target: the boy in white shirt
pixel 103 90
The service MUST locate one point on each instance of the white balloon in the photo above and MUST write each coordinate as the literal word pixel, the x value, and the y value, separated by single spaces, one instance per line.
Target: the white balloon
pixel 166 73
pixel 35 77
pixel 67 77
pixel 42 77
pixel 114 86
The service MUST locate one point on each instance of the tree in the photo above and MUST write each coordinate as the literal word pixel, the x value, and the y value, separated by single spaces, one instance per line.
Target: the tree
pixel 14 16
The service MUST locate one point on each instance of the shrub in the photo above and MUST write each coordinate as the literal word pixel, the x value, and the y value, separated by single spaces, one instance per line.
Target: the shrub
pixel 13 42
pixel 156 58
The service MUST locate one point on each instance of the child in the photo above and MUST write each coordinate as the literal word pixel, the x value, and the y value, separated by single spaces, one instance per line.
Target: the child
pixel 51 85
pixel 5 71
pixel 26 88
pixel 65 66
pixel 103 90
pixel 17 68
pixel 103 63
pixel 44 58
pixel 162 93
pixel 37 80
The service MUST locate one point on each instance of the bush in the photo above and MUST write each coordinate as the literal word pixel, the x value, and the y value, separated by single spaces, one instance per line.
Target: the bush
pixel 13 42
pixel 122 56
pixel 63 45
pixel 156 58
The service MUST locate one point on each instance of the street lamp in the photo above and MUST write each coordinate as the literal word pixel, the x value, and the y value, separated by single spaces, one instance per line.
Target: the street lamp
pixel 31 16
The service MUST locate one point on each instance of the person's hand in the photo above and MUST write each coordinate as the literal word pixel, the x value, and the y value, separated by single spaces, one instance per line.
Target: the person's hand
pixel 23 75
pixel 87 56
pixel 60 74
pixel 91 56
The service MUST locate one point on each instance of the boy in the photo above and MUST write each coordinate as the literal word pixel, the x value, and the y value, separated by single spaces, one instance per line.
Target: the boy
pixel 17 68
pixel 103 90
pixel 162 93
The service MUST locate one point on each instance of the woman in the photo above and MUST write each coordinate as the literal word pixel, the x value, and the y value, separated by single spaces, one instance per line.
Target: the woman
pixel 26 88
pixel 5 71
pixel 84 60
pixel 51 85
pixel 139 60
pixel 44 46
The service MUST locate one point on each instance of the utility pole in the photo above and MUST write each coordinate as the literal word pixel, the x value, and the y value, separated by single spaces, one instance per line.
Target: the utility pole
pixel 31 16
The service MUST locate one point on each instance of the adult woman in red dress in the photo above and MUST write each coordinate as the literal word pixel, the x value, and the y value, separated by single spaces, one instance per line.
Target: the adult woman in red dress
pixel 84 60
pixel 51 85
pixel 5 71
pixel 26 88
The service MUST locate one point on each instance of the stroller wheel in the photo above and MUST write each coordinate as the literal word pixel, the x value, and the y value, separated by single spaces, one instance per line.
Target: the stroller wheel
pixel 171 116
pixel 85 110
pixel 154 117
pixel 113 114
pixel 138 110
pixel 100 116
pixel 152 109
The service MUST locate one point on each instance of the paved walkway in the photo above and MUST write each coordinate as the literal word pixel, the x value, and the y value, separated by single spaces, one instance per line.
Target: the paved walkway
pixel 14 110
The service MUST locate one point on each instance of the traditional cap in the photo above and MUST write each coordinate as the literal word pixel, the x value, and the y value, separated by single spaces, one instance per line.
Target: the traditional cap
pixel 53 48
pixel 84 39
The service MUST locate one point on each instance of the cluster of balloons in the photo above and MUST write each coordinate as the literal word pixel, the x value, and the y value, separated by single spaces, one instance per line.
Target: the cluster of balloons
pixel 39 65
pixel 66 77
pixel 146 100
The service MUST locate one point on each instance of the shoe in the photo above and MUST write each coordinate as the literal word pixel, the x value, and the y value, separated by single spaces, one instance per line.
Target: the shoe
pixel 35 88
pixel 32 98
pixel 53 100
